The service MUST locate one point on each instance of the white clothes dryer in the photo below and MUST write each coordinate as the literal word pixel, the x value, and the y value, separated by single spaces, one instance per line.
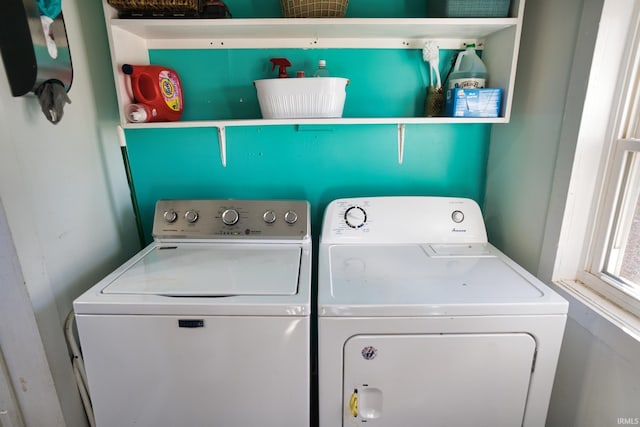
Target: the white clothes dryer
pixel 422 322
pixel 209 325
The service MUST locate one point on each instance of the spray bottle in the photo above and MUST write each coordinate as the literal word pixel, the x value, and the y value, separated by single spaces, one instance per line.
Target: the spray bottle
pixel 283 63
pixel 157 89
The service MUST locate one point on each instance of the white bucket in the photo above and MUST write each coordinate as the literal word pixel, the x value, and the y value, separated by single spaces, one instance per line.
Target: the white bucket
pixel 302 97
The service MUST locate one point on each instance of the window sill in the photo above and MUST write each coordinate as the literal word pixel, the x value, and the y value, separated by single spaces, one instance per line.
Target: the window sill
pixel 608 322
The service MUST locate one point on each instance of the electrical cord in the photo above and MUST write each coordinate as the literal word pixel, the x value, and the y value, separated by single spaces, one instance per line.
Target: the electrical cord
pixel 78 368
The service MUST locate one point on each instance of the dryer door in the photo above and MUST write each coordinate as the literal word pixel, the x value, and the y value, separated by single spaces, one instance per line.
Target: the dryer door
pixel 478 380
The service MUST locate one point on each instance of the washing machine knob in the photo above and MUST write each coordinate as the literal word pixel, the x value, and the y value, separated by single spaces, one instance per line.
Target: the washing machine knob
pixel 191 216
pixel 355 217
pixel 230 216
pixel 170 216
pixel 269 217
pixel 290 217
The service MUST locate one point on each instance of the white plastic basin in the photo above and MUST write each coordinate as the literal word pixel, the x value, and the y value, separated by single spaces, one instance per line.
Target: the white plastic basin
pixel 304 97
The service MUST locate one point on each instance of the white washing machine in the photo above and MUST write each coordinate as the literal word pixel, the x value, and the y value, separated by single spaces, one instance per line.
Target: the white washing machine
pixel 209 325
pixel 422 322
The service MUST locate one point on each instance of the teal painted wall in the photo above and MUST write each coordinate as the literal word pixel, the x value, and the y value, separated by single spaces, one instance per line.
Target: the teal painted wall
pixel 282 162
pixel 218 83
pixel 315 163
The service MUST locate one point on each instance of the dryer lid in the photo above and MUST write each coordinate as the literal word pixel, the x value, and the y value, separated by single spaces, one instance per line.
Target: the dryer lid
pixel 406 280
pixel 212 270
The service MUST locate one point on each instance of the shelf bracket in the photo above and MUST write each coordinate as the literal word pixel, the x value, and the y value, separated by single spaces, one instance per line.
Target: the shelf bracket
pixel 222 143
pixel 400 142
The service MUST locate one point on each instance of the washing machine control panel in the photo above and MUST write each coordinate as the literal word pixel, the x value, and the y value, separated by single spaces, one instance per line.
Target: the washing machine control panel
pixel 403 219
pixel 232 219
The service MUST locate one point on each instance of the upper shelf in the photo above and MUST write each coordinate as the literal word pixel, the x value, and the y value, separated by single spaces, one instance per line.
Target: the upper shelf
pixel 134 40
pixel 313 122
pixel 319 32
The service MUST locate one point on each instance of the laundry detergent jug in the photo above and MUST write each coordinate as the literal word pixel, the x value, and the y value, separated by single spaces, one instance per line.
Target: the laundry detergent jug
pixel 469 72
pixel 158 88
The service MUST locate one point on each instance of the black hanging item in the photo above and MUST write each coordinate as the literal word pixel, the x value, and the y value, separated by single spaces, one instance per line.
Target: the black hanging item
pixel 53 98
pixel 35 52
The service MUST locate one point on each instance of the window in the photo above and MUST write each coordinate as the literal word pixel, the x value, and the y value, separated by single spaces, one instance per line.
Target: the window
pixel 612 265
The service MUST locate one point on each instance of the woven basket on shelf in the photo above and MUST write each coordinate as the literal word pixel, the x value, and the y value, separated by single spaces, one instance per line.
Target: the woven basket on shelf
pixel 314 8
pixel 155 6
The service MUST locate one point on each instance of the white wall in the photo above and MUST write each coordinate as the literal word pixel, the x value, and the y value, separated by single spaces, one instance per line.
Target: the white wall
pixel 66 198
pixel 598 375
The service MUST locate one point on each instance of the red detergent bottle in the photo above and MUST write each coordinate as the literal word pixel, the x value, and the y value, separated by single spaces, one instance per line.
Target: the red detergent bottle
pixel 158 88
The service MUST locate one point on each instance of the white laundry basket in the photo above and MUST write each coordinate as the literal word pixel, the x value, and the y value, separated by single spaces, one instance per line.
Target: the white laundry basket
pixel 306 97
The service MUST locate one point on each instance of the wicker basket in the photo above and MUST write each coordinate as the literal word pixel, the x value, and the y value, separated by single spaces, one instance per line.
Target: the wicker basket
pixel 314 8
pixel 144 7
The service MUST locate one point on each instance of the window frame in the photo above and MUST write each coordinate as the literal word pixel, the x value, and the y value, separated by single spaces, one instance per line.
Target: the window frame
pixel 622 138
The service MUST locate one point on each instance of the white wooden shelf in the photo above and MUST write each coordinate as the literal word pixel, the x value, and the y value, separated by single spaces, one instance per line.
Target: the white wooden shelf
pixel 131 39
pixel 337 121
pixel 409 33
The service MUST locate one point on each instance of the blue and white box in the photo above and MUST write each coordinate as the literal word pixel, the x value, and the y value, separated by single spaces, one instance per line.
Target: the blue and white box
pixel 473 102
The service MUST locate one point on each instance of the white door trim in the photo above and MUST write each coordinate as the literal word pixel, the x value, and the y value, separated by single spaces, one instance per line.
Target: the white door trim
pixel 27 369
pixel 10 415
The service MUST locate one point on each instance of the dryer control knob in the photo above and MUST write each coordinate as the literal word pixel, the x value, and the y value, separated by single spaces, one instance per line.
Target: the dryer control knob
pixel 290 217
pixel 230 216
pixel 457 216
pixel 170 216
pixel 355 217
pixel 269 217
pixel 191 216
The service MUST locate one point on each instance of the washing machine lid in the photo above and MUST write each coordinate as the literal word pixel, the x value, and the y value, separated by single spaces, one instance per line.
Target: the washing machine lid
pixel 211 270
pixel 406 280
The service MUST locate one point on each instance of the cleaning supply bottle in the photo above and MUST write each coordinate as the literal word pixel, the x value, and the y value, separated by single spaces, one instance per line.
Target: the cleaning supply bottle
pixel 469 72
pixel 322 70
pixel 282 63
pixel 157 88
pixel 140 113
